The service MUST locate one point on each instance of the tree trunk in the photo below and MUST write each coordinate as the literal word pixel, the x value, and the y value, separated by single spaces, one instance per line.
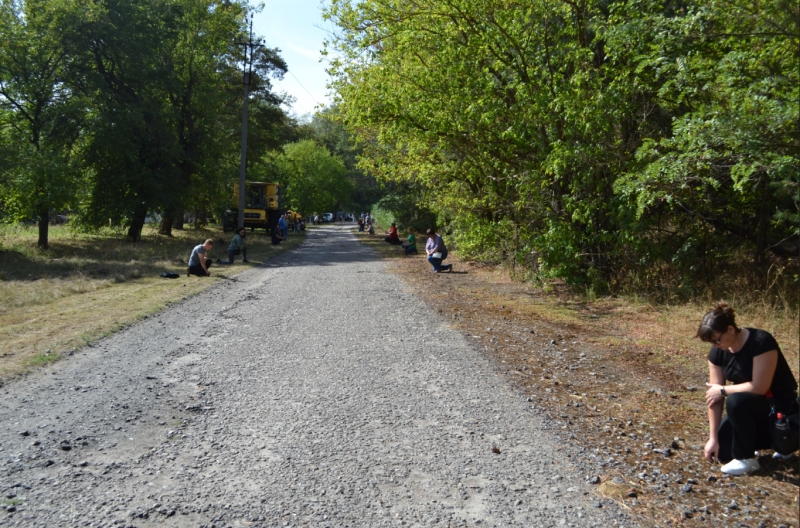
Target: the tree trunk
pixel 177 222
pixel 137 223
pixel 44 226
pixel 166 224
pixel 201 218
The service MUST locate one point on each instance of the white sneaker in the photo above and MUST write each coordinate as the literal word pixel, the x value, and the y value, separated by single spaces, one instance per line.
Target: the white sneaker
pixel 779 456
pixel 741 467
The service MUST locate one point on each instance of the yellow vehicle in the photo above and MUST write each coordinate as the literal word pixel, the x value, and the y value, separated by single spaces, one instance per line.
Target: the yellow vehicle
pixel 261 207
pixel 291 215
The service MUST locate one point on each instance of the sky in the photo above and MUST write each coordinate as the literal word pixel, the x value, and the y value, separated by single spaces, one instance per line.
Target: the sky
pixel 297 28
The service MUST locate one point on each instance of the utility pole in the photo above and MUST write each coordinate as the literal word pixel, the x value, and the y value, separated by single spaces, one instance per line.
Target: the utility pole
pixel 249 48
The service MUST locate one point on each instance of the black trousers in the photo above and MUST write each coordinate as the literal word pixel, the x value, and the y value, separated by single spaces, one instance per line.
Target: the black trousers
pixel 198 270
pixel 746 428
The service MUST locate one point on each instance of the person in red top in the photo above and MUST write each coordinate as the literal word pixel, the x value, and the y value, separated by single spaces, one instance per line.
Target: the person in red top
pixel 393 237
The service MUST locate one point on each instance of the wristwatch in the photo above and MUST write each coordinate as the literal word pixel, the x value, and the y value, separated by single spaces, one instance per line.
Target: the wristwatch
pixel 722 391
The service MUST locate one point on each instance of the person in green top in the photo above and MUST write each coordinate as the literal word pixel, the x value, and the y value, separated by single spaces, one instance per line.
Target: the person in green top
pixel 237 247
pixel 411 246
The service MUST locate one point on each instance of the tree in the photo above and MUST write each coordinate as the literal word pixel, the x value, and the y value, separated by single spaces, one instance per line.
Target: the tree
pixel 595 142
pixel 312 179
pixel 40 113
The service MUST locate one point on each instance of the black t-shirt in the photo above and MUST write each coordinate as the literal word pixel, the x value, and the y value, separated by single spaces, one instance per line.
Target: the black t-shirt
pixel 275 238
pixel 738 367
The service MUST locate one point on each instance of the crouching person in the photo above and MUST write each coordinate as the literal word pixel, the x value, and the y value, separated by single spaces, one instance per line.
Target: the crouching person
pixel 752 361
pixel 237 246
pixel 199 261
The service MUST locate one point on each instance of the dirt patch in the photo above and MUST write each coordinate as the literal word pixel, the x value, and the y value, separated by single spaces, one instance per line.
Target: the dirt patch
pixel 625 381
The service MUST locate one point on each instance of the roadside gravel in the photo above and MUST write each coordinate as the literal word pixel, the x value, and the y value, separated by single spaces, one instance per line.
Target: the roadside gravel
pixel 312 391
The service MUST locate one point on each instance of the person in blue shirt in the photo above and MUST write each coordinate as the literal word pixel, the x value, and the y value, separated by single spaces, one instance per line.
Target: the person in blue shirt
pixel 283 227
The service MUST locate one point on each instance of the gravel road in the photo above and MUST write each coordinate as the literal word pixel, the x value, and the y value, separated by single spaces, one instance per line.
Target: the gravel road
pixel 311 391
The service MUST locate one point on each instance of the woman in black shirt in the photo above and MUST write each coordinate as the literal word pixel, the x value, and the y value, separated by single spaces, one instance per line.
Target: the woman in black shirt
pixel 753 362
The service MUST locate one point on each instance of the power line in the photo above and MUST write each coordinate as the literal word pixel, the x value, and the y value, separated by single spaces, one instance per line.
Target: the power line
pixel 303 87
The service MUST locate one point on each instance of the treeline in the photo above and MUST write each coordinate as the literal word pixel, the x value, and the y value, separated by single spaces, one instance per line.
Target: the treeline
pixel 113 109
pixel 643 143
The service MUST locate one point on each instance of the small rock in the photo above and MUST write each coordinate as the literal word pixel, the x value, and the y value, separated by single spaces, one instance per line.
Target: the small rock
pixel 631 494
pixel 733 505
pixel 24 433
pixel 65 446
pixel 666 451
pixel 642 475
pixel 686 488
pixel 618 480
pixel 691 481
pixel 711 478
pixel 594 480
pixel 598 504
pixel 686 514
pixel 674 445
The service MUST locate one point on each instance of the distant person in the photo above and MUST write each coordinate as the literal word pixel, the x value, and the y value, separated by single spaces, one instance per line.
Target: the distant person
pixel 437 252
pixel 199 261
pixel 283 228
pixel 411 244
pixel 295 225
pixel 276 237
pixel 360 225
pixel 753 362
pixel 237 247
pixel 371 229
pixel 394 237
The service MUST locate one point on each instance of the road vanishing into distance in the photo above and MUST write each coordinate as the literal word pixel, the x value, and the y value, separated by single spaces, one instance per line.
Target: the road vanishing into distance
pixel 313 390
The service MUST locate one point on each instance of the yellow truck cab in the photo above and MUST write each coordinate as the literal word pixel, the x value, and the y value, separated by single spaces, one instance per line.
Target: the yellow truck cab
pixel 261 207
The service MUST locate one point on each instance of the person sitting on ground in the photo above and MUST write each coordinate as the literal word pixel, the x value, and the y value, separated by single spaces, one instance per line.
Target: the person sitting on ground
pixel 360 225
pixel 751 359
pixel 199 261
pixel 437 252
pixel 276 236
pixel 411 246
pixel 237 247
pixel 371 229
pixel 394 237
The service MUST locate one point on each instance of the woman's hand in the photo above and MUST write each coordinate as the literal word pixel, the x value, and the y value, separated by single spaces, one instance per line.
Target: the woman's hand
pixel 713 394
pixel 711 450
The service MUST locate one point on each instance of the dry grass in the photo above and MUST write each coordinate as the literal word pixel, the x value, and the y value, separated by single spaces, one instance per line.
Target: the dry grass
pixel 88 286
pixel 643 375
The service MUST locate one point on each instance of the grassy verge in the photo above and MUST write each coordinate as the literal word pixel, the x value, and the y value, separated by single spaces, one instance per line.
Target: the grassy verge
pixel 90 285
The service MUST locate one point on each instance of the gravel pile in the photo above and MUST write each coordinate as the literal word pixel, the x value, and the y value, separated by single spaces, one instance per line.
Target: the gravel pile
pixel 311 391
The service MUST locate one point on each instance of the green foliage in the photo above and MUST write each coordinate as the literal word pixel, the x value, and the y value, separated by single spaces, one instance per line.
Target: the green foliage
pixel 115 109
pixel 312 179
pixel 639 141
pixel 39 115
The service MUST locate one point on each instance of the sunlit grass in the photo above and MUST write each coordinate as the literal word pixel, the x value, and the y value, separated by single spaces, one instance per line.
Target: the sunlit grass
pixel 87 286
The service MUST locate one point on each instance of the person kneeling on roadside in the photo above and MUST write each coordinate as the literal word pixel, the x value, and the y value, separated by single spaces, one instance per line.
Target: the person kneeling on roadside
pixel 199 261
pixel 394 237
pixel 437 252
pixel 752 361
pixel 411 246
pixel 276 236
pixel 237 247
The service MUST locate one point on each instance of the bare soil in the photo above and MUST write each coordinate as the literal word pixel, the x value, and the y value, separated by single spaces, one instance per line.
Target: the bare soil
pixel 623 384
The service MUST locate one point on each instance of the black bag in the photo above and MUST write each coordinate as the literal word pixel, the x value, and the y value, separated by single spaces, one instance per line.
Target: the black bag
pixel 786 437
pixel 168 275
